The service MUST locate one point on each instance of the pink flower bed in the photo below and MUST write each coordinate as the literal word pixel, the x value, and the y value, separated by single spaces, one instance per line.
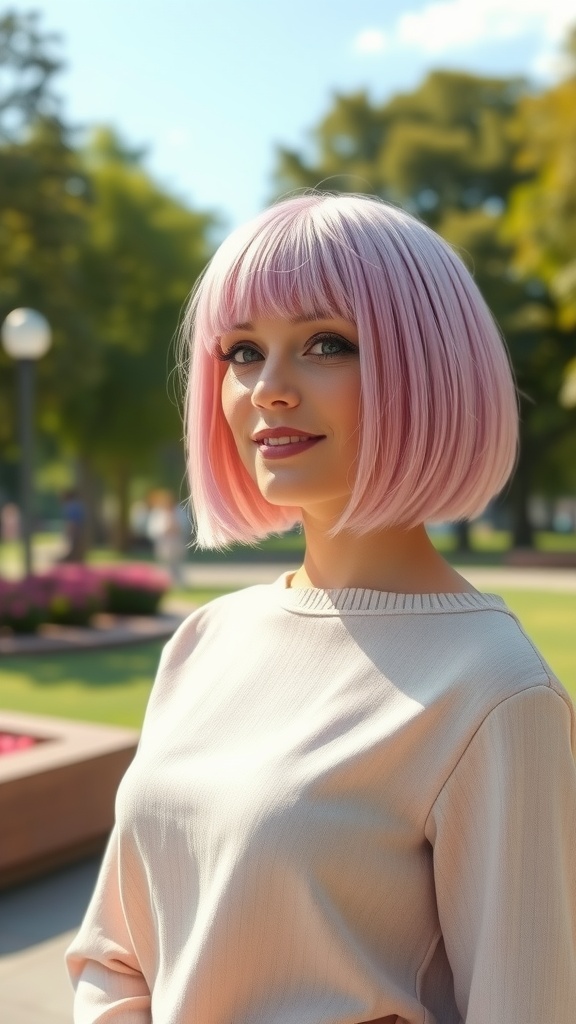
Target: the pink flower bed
pixel 76 593
pixel 11 742
pixel 24 603
pixel 136 574
pixel 71 594
pixel 134 589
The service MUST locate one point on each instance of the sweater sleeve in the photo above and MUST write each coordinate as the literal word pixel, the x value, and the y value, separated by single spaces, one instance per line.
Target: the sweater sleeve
pixel 503 830
pixel 101 961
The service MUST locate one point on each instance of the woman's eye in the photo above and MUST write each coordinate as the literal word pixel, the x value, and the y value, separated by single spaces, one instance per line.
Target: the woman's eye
pixel 241 354
pixel 331 345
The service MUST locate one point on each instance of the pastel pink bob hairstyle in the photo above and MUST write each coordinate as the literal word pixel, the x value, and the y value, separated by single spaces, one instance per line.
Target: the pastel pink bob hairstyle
pixel 439 414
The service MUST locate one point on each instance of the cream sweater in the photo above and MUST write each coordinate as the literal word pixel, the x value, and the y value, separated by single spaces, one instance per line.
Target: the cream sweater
pixel 345 805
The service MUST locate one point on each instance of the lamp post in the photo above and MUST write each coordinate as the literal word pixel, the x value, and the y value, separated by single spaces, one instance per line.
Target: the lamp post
pixel 26 336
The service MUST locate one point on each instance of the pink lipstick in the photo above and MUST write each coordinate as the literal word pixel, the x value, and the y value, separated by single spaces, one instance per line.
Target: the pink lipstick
pixel 284 442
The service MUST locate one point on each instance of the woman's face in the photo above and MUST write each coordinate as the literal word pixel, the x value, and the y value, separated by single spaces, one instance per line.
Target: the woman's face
pixel 291 397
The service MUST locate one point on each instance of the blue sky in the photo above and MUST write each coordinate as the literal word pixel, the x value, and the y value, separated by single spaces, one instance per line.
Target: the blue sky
pixel 211 88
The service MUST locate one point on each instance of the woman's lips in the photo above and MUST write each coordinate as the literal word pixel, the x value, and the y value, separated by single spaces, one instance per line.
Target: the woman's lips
pixel 284 447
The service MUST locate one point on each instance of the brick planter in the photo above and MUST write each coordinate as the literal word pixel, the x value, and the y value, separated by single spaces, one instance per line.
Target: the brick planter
pixel 57 797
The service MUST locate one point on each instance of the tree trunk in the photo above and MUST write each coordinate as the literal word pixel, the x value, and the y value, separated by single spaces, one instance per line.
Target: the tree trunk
pixel 90 487
pixel 462 533
pixel 122 526
pixel 520 494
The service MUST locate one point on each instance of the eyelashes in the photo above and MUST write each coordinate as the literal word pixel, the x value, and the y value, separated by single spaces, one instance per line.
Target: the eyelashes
pixel 228 357
pixel 341 346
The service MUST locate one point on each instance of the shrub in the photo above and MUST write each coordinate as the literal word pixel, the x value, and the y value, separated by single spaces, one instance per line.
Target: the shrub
pixel 24 604
pixel 69 594
pixel 76 593
pixel 134 589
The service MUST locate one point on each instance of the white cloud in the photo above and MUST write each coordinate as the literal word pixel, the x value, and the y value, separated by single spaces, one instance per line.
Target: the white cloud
pixel 371 40
pixel 448 26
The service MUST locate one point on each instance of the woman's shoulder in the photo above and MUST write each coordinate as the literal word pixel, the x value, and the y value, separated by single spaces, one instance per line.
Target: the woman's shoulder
pixel 486 658
pixel 525 663
pixel 209 625
pixel 219 610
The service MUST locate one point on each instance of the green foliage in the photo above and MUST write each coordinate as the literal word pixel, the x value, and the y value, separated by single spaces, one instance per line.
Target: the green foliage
pixel 143 252
pixel 541 227
pixel 542 219
pixel 43 204
pixel 88 238
pixel 28 67
pixel 443 145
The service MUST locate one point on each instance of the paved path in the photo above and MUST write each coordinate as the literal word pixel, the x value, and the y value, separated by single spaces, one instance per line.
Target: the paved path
pixel 37 922
pixel 483 578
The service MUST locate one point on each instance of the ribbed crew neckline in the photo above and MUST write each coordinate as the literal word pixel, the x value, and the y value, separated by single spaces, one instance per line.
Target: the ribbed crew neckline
pixel 359 601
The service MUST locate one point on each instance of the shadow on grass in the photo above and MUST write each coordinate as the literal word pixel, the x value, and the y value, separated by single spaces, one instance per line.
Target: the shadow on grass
pixel 113 667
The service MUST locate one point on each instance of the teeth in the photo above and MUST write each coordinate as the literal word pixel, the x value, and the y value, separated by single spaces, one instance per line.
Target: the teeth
pixel 282 440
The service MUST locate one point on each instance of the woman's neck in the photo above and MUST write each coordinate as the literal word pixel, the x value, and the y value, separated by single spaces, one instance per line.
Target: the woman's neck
pixel 395 561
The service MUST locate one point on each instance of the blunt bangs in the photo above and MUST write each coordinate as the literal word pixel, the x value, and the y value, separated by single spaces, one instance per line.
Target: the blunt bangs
pixel 280 271
pixel 439 416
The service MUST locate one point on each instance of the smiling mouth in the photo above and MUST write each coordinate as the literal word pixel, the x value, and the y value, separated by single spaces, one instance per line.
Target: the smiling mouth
pixel 286 445
pixel 275 441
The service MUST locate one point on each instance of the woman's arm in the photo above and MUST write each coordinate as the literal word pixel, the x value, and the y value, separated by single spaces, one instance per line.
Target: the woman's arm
pixel 101 961
pixel 503 830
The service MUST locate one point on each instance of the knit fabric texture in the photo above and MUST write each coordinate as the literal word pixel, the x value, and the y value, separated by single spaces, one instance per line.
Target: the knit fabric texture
pixel 346 805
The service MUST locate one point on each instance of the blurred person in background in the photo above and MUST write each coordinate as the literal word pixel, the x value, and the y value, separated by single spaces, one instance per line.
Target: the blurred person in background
pixel 74 515
pixel 168 529
pixel 9 522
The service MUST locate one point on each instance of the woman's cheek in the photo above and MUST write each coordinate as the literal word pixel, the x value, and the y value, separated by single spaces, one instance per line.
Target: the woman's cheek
pixel 230 396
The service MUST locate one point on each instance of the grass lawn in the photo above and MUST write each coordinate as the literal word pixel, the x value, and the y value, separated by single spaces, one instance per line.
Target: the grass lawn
pixel 112 686
pixel 94 686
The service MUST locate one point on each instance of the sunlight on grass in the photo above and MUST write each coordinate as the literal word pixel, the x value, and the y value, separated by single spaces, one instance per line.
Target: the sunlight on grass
pixel 100 686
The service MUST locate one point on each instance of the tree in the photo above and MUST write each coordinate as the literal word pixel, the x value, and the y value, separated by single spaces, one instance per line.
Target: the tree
pixel 43 210
pixel 143 254
pixel 88 238
pixel 443 146
pixel 28 68
pixel 541 226
pixel 346 147
pixel 542 220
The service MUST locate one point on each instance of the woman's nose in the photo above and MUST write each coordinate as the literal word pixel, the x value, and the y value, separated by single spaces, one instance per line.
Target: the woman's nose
pixel 275 387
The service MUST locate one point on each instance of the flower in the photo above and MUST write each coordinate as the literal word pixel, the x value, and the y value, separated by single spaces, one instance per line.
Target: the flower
pixel 11 742
pixel 71 594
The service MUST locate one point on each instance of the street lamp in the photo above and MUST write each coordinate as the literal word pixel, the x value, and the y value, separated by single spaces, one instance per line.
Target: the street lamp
pixel 26 336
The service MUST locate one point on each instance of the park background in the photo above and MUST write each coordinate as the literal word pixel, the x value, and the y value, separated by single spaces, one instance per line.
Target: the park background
pixel 134 136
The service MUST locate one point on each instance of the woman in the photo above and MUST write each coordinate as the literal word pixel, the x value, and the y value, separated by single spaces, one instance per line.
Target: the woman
pixel 355 793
